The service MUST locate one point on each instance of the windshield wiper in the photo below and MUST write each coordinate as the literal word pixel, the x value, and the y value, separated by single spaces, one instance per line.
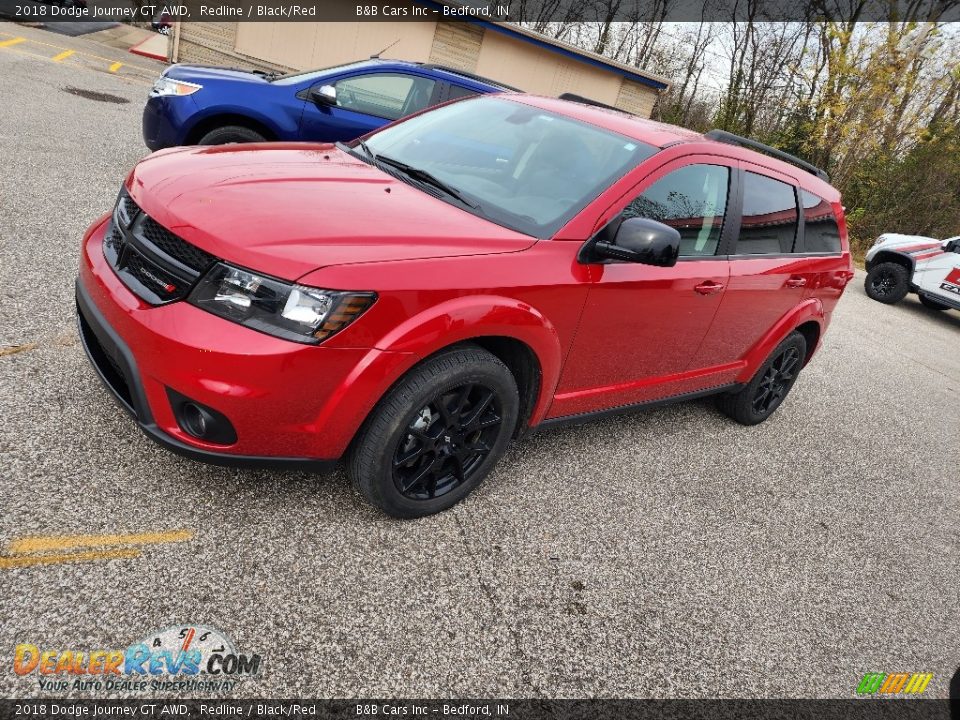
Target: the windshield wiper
pixel 366 148
pixel 423 176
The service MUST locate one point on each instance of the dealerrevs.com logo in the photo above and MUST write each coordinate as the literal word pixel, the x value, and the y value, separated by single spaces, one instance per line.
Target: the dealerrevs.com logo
pixel 171 659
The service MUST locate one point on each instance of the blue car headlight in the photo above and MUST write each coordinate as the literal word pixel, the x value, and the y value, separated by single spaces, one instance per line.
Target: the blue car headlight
pixel 165 86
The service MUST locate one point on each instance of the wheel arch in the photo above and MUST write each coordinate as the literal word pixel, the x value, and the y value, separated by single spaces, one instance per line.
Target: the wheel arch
pixel 891 256
pixel 221 119
pixel 811 331
pixel 807 318
pixel 514 332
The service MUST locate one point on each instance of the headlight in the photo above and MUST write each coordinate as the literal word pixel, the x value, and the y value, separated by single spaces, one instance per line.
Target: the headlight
pixel 165 86
pixel 293 312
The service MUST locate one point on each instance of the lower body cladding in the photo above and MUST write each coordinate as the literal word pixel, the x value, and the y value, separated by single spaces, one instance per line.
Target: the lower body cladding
pixel 218 392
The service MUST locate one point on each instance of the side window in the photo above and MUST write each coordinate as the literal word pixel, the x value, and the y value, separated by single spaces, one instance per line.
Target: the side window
pixel 693 200
pixel 820 231
pixel 386 95
pixel 455 92
pixel 769 224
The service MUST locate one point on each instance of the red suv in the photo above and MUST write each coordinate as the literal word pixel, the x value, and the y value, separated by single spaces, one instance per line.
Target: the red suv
pixel 416 299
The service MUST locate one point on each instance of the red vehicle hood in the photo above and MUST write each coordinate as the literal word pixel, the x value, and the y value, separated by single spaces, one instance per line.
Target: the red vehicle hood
pixel 287 209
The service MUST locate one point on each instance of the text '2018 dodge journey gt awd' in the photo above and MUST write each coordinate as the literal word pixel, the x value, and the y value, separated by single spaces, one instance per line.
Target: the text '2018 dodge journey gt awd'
pixel 417 298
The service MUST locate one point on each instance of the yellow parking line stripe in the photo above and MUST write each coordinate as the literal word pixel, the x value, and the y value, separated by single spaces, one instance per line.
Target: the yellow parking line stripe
pixel 7 563
pixel 67 542
pixel 8 43
pixel 83 53
pixel 63 56
pixel 116 66
pixel 126 77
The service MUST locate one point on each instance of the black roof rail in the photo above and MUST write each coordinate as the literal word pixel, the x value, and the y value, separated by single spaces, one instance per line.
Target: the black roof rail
pixel 731 139
pixel 472 76
pixel 572 97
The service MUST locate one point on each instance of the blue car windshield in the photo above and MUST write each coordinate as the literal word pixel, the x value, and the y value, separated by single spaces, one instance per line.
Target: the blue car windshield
pixel 519 166
pixel 300 76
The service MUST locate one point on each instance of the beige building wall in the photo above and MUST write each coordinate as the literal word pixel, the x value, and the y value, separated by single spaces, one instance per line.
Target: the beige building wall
pixel 543 72
pixel 311 45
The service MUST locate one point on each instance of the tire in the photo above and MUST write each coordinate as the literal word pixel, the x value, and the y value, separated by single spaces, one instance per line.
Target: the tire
pixel 767 390
pixel 231 134
pixel 929 302
pixel 407 462
pixel 887 282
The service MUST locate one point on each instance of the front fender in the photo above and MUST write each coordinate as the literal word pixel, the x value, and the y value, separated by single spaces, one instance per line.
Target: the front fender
pixel 476 316
pixel 809 310
pixel 281 125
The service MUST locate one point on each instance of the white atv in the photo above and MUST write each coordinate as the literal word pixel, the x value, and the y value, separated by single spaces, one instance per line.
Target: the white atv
pixel 901 264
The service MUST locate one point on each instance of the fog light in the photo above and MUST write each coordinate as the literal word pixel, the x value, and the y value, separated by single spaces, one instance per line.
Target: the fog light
pixel 200 421
pixel 194 420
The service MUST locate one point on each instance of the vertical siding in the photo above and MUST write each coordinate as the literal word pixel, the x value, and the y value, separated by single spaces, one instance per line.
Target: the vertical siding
pixel 636 98
pixel 544 72
pixel 316 45
pixel 457 45
pixel 213 43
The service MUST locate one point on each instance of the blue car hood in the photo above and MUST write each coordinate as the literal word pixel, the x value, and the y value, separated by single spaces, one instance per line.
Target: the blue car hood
pixel 205 73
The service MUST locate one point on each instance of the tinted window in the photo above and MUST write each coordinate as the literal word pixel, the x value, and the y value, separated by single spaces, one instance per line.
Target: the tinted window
pixel 693 200
pixel 385 95
pixel 517 165
pixel 769 223
pixel 820 231
pixel 456 91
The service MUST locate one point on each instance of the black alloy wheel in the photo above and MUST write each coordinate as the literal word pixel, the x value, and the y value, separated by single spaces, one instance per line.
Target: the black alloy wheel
pixel 888 282
pixel 447 441
pixel 434 437
pixel 884 282
pixel 776 380
pixel 758 399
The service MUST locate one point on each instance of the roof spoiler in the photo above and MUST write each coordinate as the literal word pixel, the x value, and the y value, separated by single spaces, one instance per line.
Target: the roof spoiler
pixel 731 139
pixel 571 97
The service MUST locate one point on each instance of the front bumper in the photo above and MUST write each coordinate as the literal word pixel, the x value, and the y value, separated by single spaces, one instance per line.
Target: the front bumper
pixel 118 371
pixel 164 120
pixel 291 405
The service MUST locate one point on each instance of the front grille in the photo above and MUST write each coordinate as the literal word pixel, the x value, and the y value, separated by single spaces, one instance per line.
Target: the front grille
pixel 153 262
pixel 166 241
pixel 128 208
pixel 162 283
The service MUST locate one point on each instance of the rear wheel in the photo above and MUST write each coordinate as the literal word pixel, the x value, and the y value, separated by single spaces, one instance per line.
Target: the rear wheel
pixel 769 387
pixel 231 134
pixel 887 282
pixel 434 437
pixel 932 304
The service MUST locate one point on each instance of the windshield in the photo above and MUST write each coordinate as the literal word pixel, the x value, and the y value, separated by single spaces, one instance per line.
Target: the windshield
pixel 298 76
pixel 519 166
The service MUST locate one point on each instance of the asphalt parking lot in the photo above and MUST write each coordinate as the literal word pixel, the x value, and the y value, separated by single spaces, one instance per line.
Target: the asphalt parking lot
pixel 670 553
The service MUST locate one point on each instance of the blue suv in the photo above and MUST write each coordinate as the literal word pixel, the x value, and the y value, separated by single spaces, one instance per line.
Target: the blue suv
pixel 200 105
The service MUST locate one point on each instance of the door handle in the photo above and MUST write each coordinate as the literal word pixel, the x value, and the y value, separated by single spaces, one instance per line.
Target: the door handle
pixel 796 282
pixel 709 287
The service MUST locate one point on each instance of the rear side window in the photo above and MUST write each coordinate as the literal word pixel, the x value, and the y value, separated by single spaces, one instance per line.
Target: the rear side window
pixel 769 224
pixel 454 92
pixel 693 200
pixel 820 231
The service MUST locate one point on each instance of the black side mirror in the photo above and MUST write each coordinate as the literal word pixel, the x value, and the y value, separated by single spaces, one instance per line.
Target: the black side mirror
pixel 324 95
pixel 641 240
